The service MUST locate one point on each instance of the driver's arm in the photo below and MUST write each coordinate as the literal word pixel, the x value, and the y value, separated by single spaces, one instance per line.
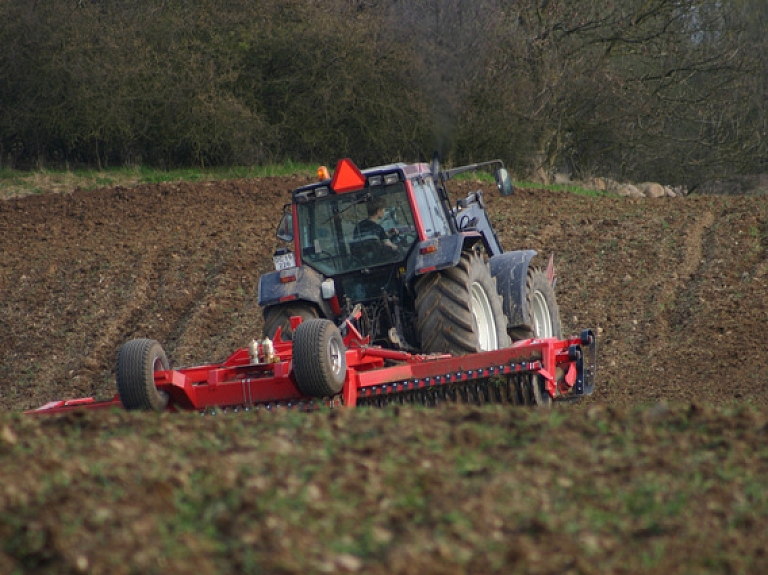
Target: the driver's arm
pixel 384 237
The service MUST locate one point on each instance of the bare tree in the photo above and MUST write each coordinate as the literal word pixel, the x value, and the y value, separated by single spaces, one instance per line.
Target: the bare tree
pixel 634 89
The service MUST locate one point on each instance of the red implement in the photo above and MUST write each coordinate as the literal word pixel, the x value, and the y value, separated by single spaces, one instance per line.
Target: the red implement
pixel 531 371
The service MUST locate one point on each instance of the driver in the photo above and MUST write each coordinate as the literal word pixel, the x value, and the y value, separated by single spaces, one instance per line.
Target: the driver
pixel 371 227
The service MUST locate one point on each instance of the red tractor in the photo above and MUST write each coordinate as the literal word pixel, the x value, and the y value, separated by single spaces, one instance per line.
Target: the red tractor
pixel 385 249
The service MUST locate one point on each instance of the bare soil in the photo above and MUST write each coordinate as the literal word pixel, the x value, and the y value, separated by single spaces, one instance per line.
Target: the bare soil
pixel 676 289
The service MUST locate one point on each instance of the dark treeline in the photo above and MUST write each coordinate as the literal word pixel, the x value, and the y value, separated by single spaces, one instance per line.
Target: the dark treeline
pixel 633 89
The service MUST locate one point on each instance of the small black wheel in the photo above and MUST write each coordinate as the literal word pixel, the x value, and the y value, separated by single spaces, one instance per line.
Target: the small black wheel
pixel 137 363
pixel 319 358
pixel 280 316
pixel 540 394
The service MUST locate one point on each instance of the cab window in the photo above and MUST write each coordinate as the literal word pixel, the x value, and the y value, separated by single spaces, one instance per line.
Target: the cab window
pixel 329 229
pixel 432 214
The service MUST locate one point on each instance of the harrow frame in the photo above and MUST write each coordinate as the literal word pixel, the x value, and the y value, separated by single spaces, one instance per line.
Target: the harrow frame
pixel 563 369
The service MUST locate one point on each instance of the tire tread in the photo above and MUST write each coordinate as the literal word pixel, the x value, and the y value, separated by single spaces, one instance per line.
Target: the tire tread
pixel 444 308
pixel 311 364
pixel 135 375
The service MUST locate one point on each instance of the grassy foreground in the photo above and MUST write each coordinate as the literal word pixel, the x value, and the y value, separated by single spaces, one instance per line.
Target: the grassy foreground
pixel 579 490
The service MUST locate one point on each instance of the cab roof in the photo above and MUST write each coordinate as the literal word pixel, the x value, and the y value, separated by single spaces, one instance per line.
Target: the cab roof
pixel 406 171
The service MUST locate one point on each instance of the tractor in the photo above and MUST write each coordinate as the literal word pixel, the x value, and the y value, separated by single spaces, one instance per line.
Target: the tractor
pixel 384 250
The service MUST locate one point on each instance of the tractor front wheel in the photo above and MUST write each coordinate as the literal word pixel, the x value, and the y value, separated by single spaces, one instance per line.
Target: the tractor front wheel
pixel 459 310
pixel 319 358
pixel 137 363
pixel 543 312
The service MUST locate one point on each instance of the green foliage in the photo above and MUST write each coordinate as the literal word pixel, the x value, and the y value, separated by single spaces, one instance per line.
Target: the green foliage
pixel 673 92
pixel 573 189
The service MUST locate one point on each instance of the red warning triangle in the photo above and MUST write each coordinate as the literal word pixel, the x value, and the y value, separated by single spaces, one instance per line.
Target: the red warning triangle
pixel 347 177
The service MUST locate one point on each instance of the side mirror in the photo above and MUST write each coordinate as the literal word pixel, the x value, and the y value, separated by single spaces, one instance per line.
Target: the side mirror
pixel 434 167
pixel 504 182
pixel 285 228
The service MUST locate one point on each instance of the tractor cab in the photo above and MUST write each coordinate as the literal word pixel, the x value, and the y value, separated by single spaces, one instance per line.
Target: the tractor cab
pixel 357 230
pixel 357 220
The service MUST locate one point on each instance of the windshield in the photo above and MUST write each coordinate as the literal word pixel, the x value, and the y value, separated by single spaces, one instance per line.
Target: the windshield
pixel 357 230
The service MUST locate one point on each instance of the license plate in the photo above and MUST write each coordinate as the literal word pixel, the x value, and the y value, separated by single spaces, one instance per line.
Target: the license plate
pixel 284 261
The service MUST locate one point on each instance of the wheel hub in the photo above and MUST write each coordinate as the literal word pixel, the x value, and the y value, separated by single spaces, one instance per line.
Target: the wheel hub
pixel 542 321
pixel 483 318
pixel 335 355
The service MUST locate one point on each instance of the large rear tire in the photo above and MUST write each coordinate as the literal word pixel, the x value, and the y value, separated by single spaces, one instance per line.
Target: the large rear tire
pixel 280 316
pixel 459 310
pixel 137 363
pixel 543 319
pixel 319 358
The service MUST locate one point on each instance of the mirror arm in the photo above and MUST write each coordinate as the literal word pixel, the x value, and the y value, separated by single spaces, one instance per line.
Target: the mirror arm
pixel 448 174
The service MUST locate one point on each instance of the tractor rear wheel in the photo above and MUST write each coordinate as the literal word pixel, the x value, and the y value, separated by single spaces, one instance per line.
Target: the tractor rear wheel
pixel 280 316
pixel 459 310
pixel 319 358
pixel 543 312
pixel 137 363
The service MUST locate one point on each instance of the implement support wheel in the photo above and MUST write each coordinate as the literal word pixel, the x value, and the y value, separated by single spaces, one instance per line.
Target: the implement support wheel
pixel 319 358
pixel 137 363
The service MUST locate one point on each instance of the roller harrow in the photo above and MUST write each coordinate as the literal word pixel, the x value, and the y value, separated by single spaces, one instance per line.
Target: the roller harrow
pixel 264 375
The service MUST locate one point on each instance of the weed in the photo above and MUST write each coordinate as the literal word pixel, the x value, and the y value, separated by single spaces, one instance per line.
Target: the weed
pixel 573 189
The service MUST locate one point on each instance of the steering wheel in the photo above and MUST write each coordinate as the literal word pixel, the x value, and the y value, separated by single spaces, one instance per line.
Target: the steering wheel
pixel 404 236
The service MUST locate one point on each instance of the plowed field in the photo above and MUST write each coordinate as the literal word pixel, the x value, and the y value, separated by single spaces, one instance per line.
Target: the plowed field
pixel 676 289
